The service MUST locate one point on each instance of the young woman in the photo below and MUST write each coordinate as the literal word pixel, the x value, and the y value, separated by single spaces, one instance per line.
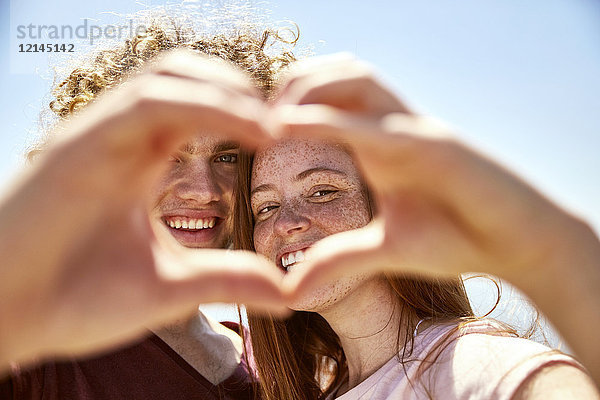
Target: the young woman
pixel 369 335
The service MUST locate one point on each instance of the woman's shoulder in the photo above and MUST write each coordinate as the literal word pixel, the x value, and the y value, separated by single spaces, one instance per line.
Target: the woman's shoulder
pixel 440 335
pixel 484 359
pixel 474 360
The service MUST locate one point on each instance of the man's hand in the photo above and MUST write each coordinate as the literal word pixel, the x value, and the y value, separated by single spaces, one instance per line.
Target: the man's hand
pixel 81 268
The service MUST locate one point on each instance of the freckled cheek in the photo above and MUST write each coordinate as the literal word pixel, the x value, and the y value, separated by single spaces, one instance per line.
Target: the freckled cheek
pixel 343 216
pixel 262 239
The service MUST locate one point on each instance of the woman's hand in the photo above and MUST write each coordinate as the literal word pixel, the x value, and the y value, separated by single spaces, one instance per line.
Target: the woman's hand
pixel 81 268
pixel 442 207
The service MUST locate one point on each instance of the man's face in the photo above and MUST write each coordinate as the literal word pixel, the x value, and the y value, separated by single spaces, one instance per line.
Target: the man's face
pixel 193 202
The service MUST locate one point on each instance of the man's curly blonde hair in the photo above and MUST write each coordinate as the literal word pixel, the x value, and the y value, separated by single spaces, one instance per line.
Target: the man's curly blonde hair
pixel 263 53
pixel 110 67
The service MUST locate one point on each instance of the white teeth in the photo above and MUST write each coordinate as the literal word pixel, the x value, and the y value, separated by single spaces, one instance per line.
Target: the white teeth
pixel 191 223
pixel 290 259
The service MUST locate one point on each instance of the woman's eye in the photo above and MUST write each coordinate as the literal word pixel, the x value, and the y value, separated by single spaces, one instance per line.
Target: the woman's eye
pixel 227 158
pixel 321 193
pixel 266 209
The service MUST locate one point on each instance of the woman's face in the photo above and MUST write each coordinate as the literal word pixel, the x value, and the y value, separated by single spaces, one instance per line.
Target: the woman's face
pixel 303 191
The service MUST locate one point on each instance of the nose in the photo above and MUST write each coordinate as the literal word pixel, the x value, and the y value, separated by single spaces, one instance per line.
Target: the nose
pixel 290 221
pixel 198 183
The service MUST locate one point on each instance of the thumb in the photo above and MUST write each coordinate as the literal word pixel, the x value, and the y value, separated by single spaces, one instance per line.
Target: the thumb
pixel 346 253
pixel 222 276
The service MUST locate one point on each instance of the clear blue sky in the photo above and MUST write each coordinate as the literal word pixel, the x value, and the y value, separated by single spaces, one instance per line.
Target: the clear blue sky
pixel 519 80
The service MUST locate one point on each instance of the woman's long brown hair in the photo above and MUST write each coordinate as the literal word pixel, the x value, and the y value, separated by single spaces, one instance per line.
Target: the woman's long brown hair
pixel 301 357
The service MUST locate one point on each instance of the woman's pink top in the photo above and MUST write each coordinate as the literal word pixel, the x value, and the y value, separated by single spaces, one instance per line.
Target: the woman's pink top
pixel 478 363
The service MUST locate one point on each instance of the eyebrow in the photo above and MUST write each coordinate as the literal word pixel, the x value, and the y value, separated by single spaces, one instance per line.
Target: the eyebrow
pixel 224 146
pixel 302 175
pixel 191 148
pixel 262 188
pixel 305 174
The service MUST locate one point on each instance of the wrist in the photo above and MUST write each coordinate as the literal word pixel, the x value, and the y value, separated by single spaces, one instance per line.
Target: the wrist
pixel 547 246
pixel 18 342
pixel 566 273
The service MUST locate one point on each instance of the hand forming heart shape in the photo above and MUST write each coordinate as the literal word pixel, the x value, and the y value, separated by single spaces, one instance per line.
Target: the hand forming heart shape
pixel 442 207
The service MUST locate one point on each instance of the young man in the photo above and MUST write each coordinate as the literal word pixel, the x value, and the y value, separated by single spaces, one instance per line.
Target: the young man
pixel 190 208
pixel 193 357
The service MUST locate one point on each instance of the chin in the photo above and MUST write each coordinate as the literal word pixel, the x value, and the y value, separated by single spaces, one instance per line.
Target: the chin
pixel 329 295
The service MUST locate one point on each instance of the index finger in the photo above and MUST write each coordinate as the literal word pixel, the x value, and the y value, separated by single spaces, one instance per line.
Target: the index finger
pixel 202 68
pixel 340 81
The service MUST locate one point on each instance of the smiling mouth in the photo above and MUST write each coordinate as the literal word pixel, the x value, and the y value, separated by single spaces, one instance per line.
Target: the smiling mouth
pixel 191 224
pixel 291 259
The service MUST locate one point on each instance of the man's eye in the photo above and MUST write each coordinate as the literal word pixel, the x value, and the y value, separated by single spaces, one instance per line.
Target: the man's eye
pixel 227 158
pixel 174 159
